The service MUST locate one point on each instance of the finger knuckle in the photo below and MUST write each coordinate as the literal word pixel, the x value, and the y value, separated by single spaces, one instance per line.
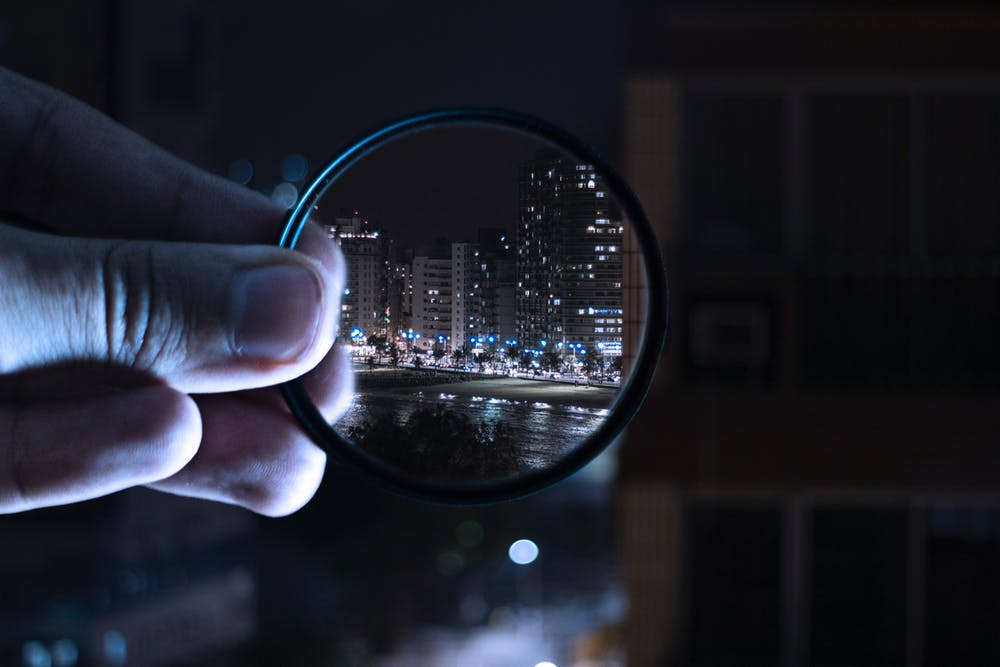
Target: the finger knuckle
pixel 141 325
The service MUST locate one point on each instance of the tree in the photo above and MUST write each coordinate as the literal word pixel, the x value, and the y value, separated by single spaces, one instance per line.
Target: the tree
pixel 438 352
pixel 589 359
pixel 552 360
pixel 442 444
pixel 379 343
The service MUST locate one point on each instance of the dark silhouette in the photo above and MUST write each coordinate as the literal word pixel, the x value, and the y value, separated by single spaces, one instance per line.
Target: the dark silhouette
pixel 441 443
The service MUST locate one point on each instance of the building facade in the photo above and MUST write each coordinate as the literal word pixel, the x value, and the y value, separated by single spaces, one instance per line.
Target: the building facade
pixel 569 257
pixel 466 293
pixel 432 299
pixel 817 482
pixel 365 304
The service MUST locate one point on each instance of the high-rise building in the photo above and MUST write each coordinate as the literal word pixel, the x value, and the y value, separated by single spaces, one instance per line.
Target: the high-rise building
pixel 466 292
pixel 365 302
pixel 432 298
pixel 484 277
pixel 498 278
pixel 569 257
pixel 401 295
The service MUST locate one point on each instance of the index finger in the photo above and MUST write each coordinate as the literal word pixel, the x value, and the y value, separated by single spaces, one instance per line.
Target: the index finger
pixel 74 171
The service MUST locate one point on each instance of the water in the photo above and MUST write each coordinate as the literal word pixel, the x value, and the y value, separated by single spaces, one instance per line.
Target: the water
pixel 544 429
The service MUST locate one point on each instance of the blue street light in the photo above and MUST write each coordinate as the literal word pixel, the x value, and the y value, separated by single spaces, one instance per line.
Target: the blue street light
pixel 357 333
pixel 440 338
pixel 472 339
pixel 544 342
pixel 491 339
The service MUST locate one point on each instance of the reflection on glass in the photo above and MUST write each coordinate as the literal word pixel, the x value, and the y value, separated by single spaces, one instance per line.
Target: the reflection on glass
pixel 484 305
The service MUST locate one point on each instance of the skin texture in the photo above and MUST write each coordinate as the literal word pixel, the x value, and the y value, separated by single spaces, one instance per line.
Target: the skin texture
pixel 144 314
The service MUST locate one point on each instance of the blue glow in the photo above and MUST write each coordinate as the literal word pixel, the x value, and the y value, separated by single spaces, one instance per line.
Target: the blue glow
pixel 284 195
pixel 115 647
pixel 64 653
pixel 356 332
pixel 34 654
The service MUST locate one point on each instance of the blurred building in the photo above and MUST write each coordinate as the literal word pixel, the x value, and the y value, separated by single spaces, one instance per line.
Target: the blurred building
pixel 817 482
pixel 569 256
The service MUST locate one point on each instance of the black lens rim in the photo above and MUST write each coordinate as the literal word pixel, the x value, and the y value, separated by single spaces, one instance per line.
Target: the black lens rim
pixel 629 399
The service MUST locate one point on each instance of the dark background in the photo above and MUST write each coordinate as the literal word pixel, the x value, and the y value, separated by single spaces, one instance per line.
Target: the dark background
pixel 814 477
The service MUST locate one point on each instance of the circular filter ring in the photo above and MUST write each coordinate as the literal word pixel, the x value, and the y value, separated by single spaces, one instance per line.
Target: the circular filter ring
pixel 629 398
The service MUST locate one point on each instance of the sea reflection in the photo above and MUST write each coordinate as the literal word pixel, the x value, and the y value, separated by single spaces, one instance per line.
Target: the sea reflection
pixel 541 431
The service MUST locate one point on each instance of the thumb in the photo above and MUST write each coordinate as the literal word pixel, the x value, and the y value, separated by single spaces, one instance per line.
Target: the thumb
pixel 205 318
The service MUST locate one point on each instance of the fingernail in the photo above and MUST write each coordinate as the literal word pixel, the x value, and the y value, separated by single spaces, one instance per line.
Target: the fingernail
pixel 277 311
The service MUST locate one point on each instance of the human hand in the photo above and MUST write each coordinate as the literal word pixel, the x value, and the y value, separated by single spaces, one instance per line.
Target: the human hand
pixel 139 325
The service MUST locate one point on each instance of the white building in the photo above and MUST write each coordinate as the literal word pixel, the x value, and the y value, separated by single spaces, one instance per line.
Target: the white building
pixel 364 304
pixel 432 299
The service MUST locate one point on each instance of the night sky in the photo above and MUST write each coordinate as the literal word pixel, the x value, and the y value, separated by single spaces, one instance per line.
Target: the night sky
pixel 437 183
pixel 313 77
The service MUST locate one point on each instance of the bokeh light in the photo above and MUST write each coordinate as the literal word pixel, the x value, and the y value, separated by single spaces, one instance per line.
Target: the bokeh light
pixel 469 533
pixel 523 552
pixel 285 195
pixel 449 563
pixel 240 171
pixel 294 168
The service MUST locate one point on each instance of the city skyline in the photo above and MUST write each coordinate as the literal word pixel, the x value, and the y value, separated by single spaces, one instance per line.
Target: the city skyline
pixel 553 276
